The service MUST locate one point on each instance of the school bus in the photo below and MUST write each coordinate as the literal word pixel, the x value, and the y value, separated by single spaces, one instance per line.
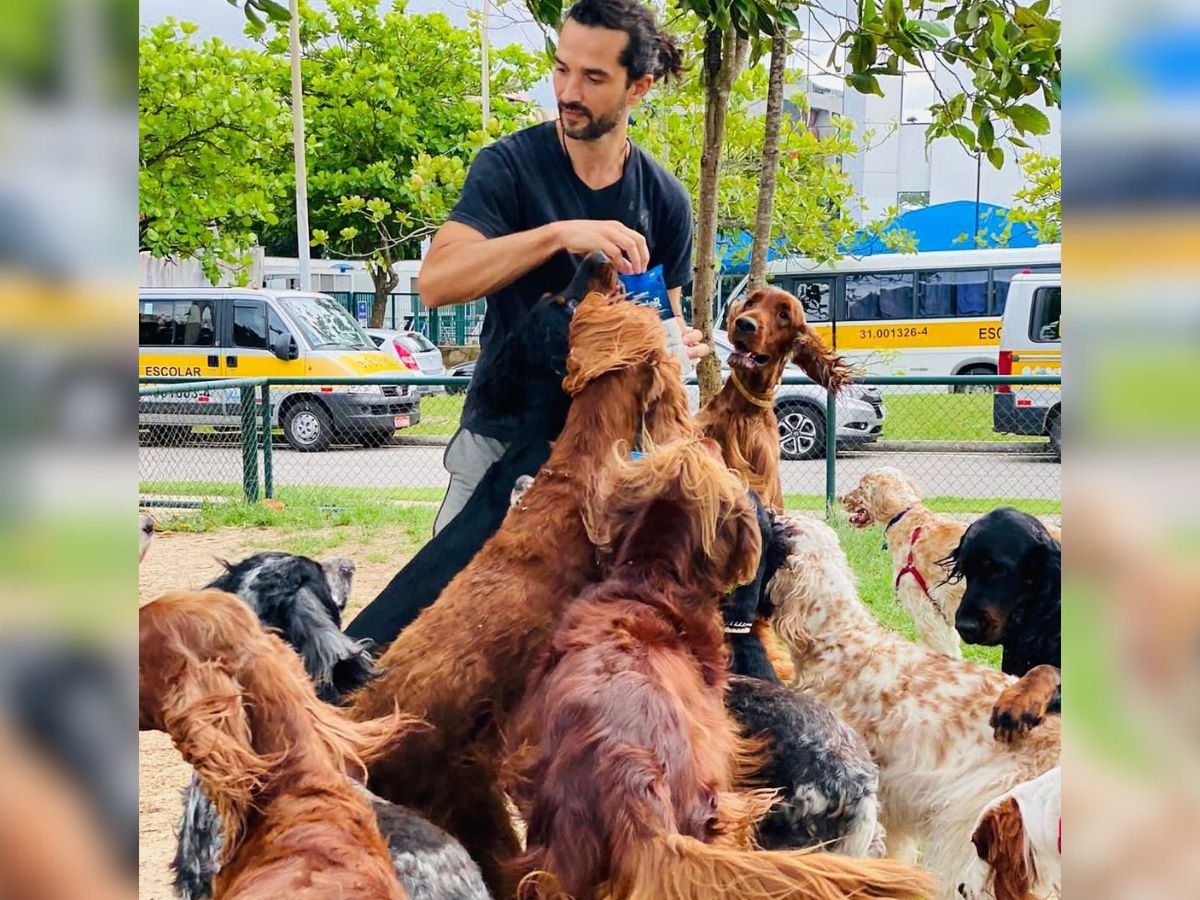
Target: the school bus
pixel 933 314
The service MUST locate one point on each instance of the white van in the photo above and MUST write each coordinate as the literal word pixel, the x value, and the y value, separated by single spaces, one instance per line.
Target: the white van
pixel 212 333
pixel 1031 344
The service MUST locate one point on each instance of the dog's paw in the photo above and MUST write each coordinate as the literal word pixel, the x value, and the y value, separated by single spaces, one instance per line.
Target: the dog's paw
pixel 1023 706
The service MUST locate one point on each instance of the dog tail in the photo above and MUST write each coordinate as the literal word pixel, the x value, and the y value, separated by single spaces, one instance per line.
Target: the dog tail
pixel 684 868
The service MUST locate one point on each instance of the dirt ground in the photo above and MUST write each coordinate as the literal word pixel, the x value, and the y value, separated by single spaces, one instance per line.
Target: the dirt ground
pixel 186 560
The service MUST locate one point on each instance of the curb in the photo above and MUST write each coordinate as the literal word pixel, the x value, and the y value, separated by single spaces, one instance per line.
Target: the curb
pixel 418 441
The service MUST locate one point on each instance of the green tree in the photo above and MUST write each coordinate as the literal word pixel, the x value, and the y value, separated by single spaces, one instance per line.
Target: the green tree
pixel 1039 202
pixel 210 129
pixel 392 117
pixel 998 53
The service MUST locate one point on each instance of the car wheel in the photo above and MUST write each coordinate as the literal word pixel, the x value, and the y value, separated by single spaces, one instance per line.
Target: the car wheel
pixel 307 428
pixel 377 438
pixel 801 431
pixel 975 388
pixel 1055 431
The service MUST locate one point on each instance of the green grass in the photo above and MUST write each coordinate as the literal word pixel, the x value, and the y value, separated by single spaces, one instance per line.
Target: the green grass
pixel 308 515
pixel 940 417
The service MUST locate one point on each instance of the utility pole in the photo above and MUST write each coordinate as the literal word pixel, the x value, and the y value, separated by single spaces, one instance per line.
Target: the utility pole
pixel 302 253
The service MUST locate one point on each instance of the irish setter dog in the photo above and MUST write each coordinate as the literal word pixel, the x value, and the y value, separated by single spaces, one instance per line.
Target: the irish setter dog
pixel 462 665
pixel 768 330
pixel 239 706
pixel 627 782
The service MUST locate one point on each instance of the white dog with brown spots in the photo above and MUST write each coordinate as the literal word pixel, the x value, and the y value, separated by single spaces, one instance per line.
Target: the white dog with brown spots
pixel 923 715
pixel 917 540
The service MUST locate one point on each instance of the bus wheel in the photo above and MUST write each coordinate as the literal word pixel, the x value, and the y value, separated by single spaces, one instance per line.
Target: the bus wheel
pixel 801 431
pixel 975 388
pixel 307 427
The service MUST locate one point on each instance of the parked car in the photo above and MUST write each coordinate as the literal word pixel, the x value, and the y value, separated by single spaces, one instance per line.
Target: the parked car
pixel 464 371
pixel 413 351
pixel 211 333
pixel 800 409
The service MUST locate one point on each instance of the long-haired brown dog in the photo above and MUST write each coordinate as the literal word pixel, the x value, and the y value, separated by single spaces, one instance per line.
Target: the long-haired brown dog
pixel 463 664
pixel 768 330
pixel 627 781
pixel 274 759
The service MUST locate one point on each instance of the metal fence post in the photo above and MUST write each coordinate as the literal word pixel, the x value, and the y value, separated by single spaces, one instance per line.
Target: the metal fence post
pixel 268 448
pixel 460 325
pixel 830 453
pixel 249 445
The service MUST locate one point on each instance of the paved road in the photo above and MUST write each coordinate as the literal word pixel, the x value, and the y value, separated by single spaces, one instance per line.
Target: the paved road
pixel 946 474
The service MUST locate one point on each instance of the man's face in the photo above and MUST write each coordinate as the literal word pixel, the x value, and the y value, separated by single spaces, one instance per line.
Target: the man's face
pixel 590 84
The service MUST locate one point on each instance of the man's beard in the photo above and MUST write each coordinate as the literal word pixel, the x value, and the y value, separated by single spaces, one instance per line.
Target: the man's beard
pixel 592 128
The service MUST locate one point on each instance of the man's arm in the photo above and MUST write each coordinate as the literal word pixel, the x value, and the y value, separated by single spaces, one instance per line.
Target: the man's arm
pixel 463 264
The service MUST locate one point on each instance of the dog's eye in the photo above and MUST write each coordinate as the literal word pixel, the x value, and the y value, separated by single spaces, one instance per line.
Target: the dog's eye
pixel 783 315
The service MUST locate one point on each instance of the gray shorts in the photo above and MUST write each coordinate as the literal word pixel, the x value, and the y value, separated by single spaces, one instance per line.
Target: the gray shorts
pixel 468 456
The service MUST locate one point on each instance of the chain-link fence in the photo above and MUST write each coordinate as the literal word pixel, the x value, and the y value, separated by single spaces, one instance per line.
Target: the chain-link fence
pixel 970 443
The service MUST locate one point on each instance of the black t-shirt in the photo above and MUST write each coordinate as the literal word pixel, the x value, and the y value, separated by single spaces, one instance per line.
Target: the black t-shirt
pixel 524 181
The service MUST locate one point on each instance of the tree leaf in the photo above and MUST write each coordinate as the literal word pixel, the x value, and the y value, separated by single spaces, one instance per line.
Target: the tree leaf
pixel 996 157
pixel 1028 119
pixel 933 29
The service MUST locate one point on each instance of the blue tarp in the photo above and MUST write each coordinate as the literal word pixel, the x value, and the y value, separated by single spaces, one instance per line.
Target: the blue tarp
pixel 934 227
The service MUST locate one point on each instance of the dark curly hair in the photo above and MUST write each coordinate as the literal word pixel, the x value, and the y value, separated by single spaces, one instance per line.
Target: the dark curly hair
pixel 649 50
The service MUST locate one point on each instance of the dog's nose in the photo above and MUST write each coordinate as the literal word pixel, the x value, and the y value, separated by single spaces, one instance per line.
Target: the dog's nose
pixel 745 325
pixel 967 628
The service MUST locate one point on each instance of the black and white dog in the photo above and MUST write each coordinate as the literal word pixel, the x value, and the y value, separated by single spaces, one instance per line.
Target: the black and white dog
pixel 303 600
pixel 828 785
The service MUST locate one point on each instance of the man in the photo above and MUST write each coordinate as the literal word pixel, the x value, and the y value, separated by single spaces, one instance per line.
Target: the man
pixel 537 200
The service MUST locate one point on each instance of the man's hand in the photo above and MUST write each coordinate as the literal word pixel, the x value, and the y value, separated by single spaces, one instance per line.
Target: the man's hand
pixel 693 340
pixel 624 247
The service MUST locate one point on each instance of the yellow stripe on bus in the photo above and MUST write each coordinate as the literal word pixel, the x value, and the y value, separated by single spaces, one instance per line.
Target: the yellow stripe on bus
pixel 910 334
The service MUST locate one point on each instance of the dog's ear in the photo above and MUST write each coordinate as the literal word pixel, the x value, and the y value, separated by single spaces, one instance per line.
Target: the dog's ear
pixel 952 562
pixel 206 716
pixel 818 361
pixel 1043 561
pixel 1000 842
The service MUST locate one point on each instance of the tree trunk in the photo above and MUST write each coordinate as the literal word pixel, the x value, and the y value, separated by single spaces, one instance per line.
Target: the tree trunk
pixel 385 278
pixel 723 53
pixel 770 161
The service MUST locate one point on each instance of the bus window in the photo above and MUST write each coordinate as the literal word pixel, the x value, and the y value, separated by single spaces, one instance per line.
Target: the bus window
pixel 884 295
pixel 1045 321
pixel 952 293
pixel 815 297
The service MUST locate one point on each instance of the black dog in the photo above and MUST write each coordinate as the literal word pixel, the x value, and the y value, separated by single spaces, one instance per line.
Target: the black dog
pixel 530 368
pixel 303 600
pixel 828 783
pixel 1013 597
pixel 751 602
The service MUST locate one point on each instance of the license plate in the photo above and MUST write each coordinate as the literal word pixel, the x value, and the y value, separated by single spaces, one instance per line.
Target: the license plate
pixel 402 421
